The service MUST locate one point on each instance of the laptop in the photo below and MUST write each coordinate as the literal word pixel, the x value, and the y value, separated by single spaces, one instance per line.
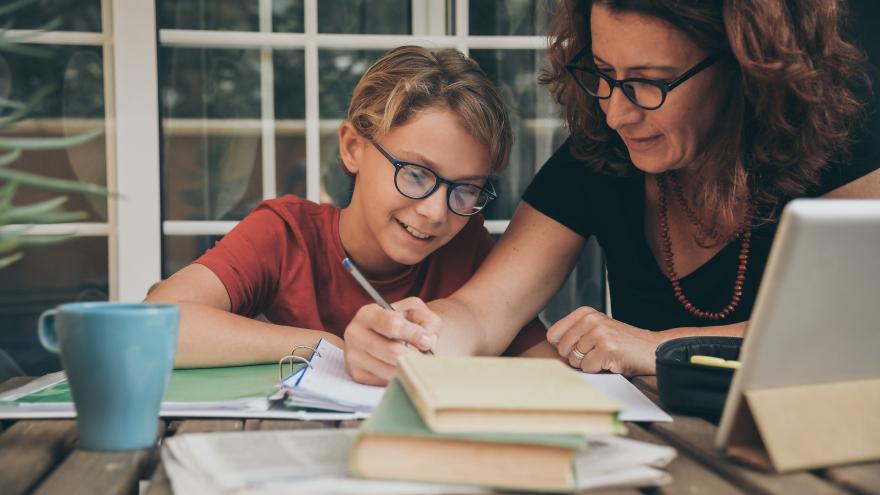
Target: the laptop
pixel 810 361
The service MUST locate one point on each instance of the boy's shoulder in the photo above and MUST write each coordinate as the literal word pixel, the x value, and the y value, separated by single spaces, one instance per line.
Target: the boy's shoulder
pixel 294 208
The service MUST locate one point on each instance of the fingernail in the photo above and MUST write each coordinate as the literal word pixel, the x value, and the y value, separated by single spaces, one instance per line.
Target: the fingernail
pixel 427 341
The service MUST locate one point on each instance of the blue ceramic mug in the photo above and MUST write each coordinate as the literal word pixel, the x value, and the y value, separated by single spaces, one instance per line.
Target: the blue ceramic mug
pixel 118 359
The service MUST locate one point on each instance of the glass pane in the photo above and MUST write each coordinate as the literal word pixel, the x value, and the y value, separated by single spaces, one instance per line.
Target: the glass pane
pixel 287 16
pixel 64 15
pixel 290 84
pixel 535 118
pixel 75 270
pixel 181 250
pixel 336 185
pixel 226 15
pixel 509 17
pixel 365 17
pixel 75 105
pixel 290 111
pixel 211 132
pixel 338 73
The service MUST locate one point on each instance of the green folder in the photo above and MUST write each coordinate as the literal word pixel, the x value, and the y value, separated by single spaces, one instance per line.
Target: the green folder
pixel 193 385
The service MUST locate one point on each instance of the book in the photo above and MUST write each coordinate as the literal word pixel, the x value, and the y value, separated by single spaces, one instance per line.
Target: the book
pixel 505 395
pixel 394 443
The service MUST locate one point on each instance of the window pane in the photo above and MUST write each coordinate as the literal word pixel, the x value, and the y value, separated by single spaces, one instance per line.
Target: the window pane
pixel 364 17
pixel 71 15
pixel 338 74
pixel 75 270
pixel 509 17
pixel 211 132
pixel 535 119
pixel 74 106
pixel 287 16
pixel 290 84
pixel 227 15
pixel 336 185
pixel 181 250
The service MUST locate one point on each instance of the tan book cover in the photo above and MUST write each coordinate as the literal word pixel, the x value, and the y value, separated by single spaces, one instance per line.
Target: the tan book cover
pixel 394 443
pixel 505 395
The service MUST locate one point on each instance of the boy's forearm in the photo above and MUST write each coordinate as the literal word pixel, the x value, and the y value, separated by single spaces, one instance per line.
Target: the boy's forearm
pixel 212 337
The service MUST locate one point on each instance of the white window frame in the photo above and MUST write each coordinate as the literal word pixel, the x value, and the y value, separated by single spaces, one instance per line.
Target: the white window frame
pixel 134 228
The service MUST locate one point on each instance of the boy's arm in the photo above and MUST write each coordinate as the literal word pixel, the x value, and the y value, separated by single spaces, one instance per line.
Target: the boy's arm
pixel 210 335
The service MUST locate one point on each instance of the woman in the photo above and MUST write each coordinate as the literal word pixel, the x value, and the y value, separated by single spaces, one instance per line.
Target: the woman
pixel 692 124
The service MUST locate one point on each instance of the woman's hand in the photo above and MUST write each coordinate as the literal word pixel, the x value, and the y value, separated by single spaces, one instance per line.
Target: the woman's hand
pixel 376 338
pixel 606 344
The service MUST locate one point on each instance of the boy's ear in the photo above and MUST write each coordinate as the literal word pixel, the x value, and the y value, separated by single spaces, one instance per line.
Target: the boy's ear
pixel 351 147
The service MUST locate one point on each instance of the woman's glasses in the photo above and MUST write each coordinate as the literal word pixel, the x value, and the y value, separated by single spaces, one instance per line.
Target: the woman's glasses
pixel 418 182
pixel 648 94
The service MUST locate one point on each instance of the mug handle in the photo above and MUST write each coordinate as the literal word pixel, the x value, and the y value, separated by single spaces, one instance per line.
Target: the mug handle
pixel 46 331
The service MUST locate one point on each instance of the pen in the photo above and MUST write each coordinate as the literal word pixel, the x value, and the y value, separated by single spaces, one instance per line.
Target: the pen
pixel 363 282
pixel 714 361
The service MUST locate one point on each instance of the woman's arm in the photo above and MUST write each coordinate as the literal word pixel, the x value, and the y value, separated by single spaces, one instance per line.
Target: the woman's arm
pixel 212 336
pixel 608 344
pixel 523 271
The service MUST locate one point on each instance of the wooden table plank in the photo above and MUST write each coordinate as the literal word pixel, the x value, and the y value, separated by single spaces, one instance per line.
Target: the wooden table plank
pixel 689 477
pixel 159 482
pixel 30 449
pixel 863 479
pixel 15 382
pixel 697 437
pixel 85 472
pixel 282 424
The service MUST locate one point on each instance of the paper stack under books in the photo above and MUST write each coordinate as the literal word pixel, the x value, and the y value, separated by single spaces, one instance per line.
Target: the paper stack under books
pixel 510 423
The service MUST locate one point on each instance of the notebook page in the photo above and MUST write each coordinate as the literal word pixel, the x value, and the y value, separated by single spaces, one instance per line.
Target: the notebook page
pixel 328 379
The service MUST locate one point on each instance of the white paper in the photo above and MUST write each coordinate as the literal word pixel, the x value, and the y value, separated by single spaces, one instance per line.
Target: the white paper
pixel 326 385
pixel 315 461
pixel 636 407
pixel 264 462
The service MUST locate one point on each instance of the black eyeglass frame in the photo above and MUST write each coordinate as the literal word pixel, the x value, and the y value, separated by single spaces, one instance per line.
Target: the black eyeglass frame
pixel 451 185
pixel 663 86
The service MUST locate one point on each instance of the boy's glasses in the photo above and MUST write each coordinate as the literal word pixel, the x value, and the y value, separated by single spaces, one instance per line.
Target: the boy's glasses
pixel 418 182
pixel 648 94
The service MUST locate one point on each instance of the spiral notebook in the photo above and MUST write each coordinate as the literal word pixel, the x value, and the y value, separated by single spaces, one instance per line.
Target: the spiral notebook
pixel 324 384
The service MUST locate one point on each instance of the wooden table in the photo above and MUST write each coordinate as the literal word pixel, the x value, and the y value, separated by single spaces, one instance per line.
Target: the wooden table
pixel 41 457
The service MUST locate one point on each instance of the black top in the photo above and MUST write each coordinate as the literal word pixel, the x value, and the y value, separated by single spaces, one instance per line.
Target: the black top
pixel 612 209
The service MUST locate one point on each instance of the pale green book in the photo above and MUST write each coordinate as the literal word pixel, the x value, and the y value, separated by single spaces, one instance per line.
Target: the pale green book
pixel 394 443
pixel 505 395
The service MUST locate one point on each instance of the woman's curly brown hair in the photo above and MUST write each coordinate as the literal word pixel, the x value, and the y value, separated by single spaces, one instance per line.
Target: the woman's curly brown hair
pixel 791 114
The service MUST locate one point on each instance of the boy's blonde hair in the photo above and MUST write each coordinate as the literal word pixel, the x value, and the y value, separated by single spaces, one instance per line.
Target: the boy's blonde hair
pixel 409 79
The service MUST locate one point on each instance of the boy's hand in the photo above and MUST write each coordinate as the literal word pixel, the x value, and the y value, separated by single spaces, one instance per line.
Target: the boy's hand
pixel 376 338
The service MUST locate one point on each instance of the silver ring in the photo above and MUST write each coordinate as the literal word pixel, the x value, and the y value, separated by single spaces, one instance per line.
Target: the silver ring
pixel 577 354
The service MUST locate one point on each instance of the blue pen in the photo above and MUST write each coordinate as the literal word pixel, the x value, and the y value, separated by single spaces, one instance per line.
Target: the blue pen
pixel 363 282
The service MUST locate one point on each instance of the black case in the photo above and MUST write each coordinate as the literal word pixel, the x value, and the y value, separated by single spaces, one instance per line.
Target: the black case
pixel 695 389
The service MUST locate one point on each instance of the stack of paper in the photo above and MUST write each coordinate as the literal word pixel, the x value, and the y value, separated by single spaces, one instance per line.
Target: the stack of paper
pixel 325 384
pixel 258 462
pixel 315 461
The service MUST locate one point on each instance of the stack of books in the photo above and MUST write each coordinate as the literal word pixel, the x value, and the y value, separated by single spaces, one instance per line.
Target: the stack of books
pixel 509 423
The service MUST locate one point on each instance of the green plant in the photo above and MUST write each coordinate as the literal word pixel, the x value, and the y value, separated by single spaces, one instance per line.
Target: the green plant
pixel 16 220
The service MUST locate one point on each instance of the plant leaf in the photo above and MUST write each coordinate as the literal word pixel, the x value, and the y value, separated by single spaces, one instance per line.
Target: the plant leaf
pixel 4 262
pixel 6 103
pixel 53 184
pixel 47 143
pixel 22 112
pixel 20 49
pixel 17 4
pixel 9 157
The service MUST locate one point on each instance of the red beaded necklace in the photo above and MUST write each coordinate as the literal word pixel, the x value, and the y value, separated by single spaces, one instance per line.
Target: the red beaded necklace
pixel 744 232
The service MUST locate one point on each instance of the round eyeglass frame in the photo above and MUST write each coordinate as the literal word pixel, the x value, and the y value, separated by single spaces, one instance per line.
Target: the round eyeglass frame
pixel 665 87
pixel 489 191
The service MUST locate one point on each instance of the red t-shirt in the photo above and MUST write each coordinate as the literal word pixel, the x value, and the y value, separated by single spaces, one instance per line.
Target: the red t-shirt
pixel 284 260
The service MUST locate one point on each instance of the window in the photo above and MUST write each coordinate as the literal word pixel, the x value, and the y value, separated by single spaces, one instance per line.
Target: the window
pixel 242 104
